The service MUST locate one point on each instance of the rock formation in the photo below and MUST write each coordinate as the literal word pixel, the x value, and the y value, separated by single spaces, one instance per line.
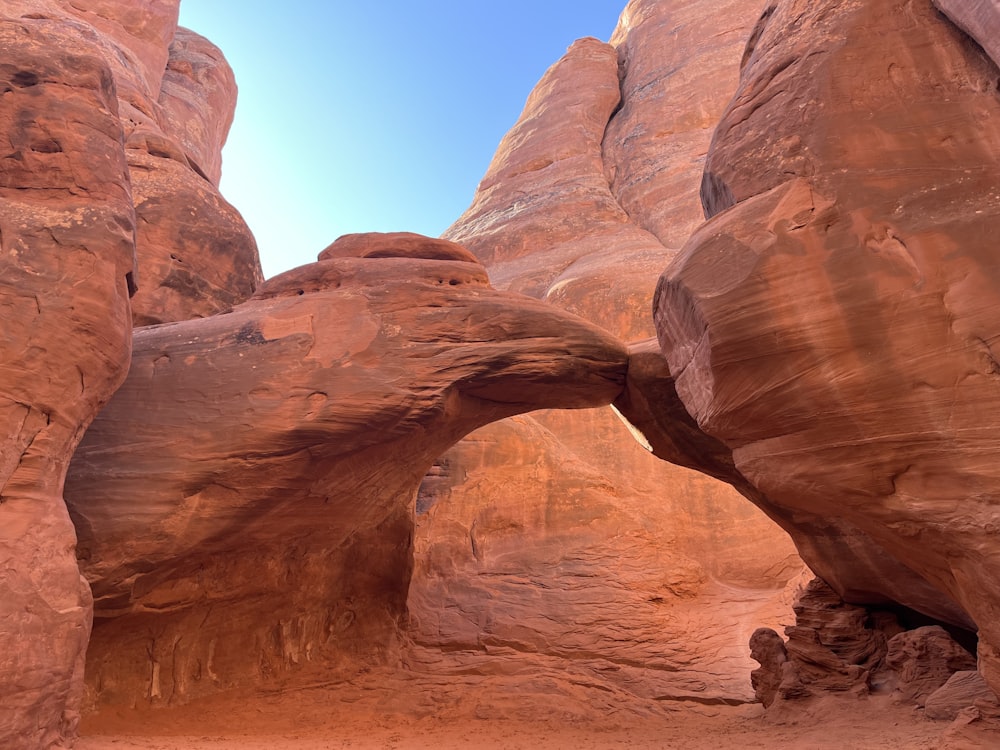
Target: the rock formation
pixel 924 660
pixel 84 135
pixel 66 259
pixel 245 501
pixel 273 484
pixel 196 254
pixel 830 326
pixel 582 207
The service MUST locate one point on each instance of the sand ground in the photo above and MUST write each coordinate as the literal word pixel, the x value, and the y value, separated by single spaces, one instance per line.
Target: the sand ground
pixel 319 720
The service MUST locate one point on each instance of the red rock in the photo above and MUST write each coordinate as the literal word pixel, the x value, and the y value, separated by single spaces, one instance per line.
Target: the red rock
pixel 768 649
pixel 395 245
pixel 962 690
pixel 980 19
pixel 198 101
pixel 197 256
pixel 196 253
pixel 680 64
pixel 830 324
pixel 276 451
pixel 66 224
pixel 925 660
pixel 547 222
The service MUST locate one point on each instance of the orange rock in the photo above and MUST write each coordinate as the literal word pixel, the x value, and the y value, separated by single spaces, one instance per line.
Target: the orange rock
pixel 66 226
pixel 541 497
pixel 245 501
pixel 198 101
pixel 831 325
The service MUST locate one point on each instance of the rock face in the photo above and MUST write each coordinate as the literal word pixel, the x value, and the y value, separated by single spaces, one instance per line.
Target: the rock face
pixel 197 255
pixel 925 659
pixel 66 224
pixel 84 138
pixel 831 327
pixel 272 454
pixel 582 207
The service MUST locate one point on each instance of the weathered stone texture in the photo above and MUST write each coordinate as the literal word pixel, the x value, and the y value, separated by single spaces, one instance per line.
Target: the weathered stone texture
pixel 831 326
pixel 245 501
pixel 66 257
pixel 572 210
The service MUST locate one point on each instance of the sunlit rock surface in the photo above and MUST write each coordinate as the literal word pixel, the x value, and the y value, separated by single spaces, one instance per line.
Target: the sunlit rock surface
pixel 557 539
pixel 832 325
pixel 66 224
pixel 245 502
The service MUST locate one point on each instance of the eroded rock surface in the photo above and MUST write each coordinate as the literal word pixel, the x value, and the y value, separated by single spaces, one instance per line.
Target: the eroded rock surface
pixel 85 139
pixel 66 224
pixel 831 325
pixel 245 502
pixel 582 207
pixel 963 690
pixel 925 659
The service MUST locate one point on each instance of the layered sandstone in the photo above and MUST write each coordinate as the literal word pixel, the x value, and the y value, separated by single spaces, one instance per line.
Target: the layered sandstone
pixel 245 502
pixel 585 549
pixel 66 224
pixel 830 328
pixel 96 172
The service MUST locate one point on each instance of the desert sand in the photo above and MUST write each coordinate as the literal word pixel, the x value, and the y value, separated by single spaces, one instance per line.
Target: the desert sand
pixel 325 719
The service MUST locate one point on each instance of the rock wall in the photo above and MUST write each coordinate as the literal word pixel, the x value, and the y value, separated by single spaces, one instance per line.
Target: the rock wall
pixel 831 325
pixel 66 259
pixel 96 147
pixel 557 538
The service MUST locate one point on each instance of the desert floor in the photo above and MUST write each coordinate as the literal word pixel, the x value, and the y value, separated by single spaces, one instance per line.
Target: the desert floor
pixel 320 719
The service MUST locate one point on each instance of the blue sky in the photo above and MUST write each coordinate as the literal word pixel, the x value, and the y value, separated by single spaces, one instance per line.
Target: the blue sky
pixel 378 116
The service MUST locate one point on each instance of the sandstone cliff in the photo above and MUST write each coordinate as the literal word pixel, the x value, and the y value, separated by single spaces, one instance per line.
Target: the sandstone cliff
pixel 831 324
pixel 585 547
pixel 99 145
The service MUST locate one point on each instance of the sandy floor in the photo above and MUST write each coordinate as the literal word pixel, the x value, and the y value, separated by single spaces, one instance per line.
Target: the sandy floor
pixel 313 720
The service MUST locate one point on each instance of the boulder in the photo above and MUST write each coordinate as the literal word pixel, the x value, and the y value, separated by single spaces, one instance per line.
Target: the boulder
pixel 925 659
pixel 768 649
pixel 963 690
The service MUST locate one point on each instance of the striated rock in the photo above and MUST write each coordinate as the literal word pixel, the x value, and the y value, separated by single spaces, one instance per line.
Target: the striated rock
pixel 768 649
pixel 198 101
pixel 544 220
pixel 961 691
pixel 925 659
pixel 980 19
pixel 245 502
pixel 831 324
pixel 66 224
pixel 835 646
pixel 533 560
pixel 547 221
pixel 679 63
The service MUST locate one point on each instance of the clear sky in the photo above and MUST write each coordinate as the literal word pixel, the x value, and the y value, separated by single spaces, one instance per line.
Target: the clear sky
pixel 375 116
